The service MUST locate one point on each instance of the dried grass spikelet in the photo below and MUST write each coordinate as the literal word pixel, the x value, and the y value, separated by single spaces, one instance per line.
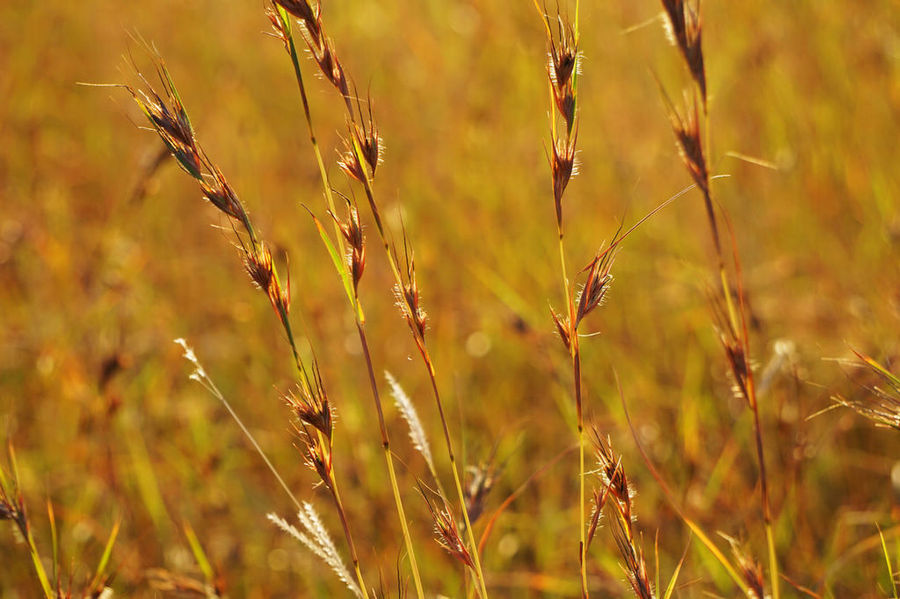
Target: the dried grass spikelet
pixel 684 27
pixel 447 534
pixel 633 562
pixel 611 472
pixel 407 293
pixel 170 120
pixel 352 232
pixel 261 268
pixel 598 502
pixel 687 135
pixel 739 365
pixel 408 411
pixel 310 404
pixel 316 538
pixel 316 455
pixel 563 167
pixel 307 13
pixel 220 194
pixel 563 327
pixel 617 488
pixel 280 28
pixel 596 285
pixel 562 66
pixel 363 148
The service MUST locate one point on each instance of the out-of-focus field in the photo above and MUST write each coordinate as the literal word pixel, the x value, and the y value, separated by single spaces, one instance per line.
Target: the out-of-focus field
pixel 98 276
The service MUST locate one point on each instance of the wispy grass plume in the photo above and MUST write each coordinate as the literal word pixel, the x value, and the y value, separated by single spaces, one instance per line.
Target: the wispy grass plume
pixel 317 540
pixel 408 411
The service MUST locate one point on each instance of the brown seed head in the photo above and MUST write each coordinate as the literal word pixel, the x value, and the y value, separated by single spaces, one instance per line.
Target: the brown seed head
pixel 261 268
pixel 562 64
pixel 447 534
pixel 310 404
pixel 351 231
pixel 322 49
pixel 316 456
pixel 221 195
pixel 599 500
pixel 685 28
pixel 349 161
pixel 171 122
pixel 612 473
pixel 563 328
pixel 687 134
pixel 308 14
pixel 632 561
pixel 407 294
pixel 169 119
pixel 597 284
pixel 562 167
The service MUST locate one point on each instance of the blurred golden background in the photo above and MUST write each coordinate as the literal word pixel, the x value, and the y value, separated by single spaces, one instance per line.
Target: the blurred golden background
pixel 104 260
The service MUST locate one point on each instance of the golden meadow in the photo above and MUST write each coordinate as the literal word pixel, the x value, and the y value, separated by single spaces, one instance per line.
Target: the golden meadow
pixel 472 162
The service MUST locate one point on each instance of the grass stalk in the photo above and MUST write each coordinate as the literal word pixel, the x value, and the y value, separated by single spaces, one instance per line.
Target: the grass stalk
pixel 389 460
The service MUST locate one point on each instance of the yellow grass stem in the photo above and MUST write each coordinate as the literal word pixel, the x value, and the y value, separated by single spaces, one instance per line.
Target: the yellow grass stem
pixel 389 460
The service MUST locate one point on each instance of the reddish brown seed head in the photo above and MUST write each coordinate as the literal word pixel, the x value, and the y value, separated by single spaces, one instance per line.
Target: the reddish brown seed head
pixel 170 120
pixel 316 456
pixel 562 65
pixel 611 470
pixel 307 13
pixel 690 145
pixel 633 562
pixel 311 406
pixel 352 232
pixel 261 268
pixel 685 28
pixel 447 535
pixel 407 294
pixel 562 168
pixel 221 195
pixel 349 161
pixel 596 286
pixel 563 328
